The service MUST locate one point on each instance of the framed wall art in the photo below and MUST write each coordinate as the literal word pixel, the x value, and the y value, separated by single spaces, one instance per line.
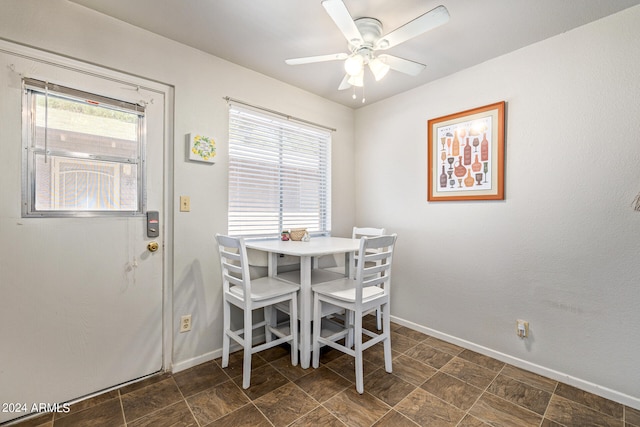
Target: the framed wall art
pixel 201 148
pixel 465 155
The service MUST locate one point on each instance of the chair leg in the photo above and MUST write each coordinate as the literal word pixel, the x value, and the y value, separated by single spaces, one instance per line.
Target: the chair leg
pixel 293 327
pixel 387 341
pixel 379 319
pixel 269 322
pixel 226 322
pixel 317 320
pixel 248 338
pixel 348 323
pixel 357 331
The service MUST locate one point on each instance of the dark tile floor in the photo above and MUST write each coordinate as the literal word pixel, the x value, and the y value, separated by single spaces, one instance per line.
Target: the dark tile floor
pixel 434 383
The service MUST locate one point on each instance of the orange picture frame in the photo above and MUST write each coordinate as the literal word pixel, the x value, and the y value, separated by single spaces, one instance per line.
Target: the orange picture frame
pixel 465 155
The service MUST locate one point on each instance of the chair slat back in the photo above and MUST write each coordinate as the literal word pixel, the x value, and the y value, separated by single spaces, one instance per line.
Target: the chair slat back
pixel 376 254
pixel 359 232
pixel 234 264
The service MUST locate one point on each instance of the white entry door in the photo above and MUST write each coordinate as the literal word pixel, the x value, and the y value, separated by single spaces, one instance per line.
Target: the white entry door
pixel 81 297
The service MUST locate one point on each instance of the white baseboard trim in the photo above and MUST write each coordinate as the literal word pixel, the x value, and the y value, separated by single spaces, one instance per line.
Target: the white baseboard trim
pixel 212 355
pixel 590 387
pixel 195 361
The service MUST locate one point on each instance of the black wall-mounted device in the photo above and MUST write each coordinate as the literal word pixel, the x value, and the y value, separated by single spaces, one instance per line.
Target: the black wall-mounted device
pixel 153 224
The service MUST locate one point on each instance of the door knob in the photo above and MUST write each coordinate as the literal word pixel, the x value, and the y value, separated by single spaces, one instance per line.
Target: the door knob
pixel 152 246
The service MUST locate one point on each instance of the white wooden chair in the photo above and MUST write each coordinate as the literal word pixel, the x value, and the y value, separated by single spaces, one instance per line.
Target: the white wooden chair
pixel 359 232
pixel 370 289
pixel 248 295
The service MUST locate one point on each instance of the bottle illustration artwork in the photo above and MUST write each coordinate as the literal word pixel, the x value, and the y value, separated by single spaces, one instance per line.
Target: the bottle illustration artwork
pixel 476 166
pixel 460 170
pixel 455 149
pixel 484 148
pixel 467 154
pixel 443 178
pixel 479 178
pixel 468 181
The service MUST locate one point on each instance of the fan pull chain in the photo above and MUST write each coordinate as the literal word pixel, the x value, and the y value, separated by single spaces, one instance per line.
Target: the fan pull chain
pixel 354 96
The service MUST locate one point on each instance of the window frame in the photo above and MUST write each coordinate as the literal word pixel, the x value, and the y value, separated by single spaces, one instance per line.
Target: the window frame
pixel 30 89
pixel 276 122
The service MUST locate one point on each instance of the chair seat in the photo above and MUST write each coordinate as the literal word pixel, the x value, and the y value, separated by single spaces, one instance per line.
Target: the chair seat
pixel 265 288
pixel 345 290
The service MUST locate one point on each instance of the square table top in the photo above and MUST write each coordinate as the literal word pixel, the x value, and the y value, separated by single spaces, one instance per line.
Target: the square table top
pixel 317 246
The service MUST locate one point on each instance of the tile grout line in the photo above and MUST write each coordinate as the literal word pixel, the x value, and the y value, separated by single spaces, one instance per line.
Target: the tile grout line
pixel 124 416
pixel 301 389
pixel 262 413
pixel 184 398
pixel 320 404
pixel 544 416
pixel 438 370
pixel 591 408
pixel 481 394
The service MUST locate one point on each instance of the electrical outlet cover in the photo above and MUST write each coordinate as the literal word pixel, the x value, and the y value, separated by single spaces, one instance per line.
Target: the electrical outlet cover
pixel 185 323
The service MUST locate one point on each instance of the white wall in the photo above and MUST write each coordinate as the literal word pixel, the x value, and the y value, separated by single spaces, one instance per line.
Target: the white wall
pixel 200 82
pixel 562 250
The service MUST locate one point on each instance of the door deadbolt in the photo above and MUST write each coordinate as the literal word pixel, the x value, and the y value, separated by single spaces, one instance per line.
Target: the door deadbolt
pixel 152 246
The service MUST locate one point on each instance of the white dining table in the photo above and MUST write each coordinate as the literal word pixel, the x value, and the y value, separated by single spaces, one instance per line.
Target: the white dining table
pixel 307 251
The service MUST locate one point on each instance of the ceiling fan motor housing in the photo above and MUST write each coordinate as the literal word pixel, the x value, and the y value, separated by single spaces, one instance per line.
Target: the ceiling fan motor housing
pixel 371 31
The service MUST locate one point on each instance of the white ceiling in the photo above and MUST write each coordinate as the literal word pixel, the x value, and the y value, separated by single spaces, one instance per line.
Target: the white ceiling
pixel 261 34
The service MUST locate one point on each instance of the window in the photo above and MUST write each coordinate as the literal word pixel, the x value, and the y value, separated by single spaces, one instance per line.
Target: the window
pixel 83 153
pixel 279 175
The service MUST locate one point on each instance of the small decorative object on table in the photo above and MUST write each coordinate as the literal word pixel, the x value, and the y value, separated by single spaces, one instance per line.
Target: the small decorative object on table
pixel 297 234
pixel 284 236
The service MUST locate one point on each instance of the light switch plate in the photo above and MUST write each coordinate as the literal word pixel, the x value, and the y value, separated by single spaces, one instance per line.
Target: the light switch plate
pixel 185 204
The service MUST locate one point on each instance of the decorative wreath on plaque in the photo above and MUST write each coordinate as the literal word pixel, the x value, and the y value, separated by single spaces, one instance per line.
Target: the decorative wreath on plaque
pixel 202 148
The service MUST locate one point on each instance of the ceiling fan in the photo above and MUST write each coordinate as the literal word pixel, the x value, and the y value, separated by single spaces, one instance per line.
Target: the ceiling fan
pixel 365 40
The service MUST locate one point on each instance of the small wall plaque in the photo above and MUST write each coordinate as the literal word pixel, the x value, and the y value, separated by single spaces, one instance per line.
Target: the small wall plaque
pixel 202 148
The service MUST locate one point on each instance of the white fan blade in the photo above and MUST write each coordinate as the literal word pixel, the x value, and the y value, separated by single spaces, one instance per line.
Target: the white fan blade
pixel 320 58
pixel 344 84
pixel 403 65
pixel 430 20
pixel 341 16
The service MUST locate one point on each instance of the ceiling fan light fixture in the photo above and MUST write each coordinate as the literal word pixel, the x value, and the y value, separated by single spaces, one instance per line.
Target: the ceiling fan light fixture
pixel 354 65
pixel 378 68
pixel 358 79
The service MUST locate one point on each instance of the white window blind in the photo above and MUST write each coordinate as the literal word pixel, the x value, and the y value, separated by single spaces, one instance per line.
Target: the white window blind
pixel 279 175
